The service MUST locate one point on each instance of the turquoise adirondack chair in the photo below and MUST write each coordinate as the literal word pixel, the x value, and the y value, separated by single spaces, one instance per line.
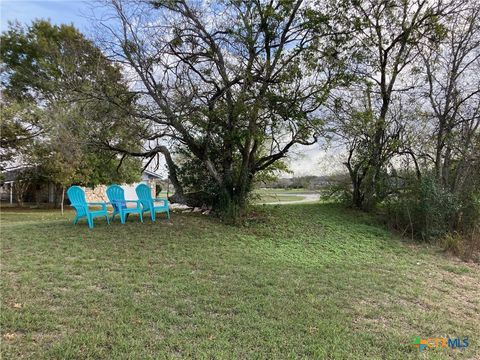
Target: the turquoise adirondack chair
pixel 77 200
pixel 116 195
pixel 148 203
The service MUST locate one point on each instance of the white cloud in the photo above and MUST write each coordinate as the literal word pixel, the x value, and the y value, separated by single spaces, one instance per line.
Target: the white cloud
pixel 314 160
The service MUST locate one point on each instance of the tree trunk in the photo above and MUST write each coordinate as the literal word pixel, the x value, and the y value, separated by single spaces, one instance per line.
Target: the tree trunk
pixel 230 205
pixel 63 198
pixel 20 187
pixel 19 198
pixel 357 198
pixel 172 171
pixel 356 180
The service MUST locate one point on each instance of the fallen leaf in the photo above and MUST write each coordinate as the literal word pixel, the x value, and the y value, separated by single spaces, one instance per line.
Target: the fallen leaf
pixel 9 336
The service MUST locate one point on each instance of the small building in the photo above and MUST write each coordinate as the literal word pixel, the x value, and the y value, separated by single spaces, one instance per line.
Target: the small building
pixel 48 193
pixel 37 191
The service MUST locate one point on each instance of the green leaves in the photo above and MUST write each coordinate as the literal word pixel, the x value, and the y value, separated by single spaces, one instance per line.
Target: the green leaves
pixel 54 78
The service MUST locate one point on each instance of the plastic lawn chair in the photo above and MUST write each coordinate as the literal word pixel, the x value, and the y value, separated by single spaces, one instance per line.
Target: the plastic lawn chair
pixel 149 204
pixel 77 200
pixel 116 195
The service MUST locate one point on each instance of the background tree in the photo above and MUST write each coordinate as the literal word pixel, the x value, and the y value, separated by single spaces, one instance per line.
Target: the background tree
pixel 48 70
pixel 453 93
pixel 370 116
pixel 444 197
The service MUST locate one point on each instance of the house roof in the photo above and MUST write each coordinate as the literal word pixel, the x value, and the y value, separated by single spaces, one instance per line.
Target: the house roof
pixel 151 174
pixel 13 173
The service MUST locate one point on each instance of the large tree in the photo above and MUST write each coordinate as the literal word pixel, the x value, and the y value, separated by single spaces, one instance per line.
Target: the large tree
pixel 52 114
pixel 235 83
pixel 371 116
pixel 452 81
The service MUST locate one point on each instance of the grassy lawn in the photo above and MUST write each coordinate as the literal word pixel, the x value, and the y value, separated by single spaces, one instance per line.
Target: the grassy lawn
pixel 268 195
pixel 284 191
pixel 300 281
pixel 278 198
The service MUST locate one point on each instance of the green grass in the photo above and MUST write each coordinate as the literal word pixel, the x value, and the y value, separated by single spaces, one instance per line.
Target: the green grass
pixel 299 281
pixel 284 191
pixel 278 198
pixel 270 195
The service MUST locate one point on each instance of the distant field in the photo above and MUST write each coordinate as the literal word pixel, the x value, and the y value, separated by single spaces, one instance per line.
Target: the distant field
pixel 269 195
pixel 284 191
pixel 279 197
pixel 164 194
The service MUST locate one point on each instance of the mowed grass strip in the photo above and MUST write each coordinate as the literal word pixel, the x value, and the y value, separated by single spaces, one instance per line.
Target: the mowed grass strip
pixel 298 281
pixel 278 198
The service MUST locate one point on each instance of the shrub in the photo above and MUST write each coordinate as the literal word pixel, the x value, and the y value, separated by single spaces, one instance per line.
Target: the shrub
pixel 424 210
pixel 338 189
pixel 468 225
pixel 452 242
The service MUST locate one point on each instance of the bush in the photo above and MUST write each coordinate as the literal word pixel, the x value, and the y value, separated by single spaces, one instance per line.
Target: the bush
pixel 338 189
pixel 468 225
pixel 424 210
pixel 340 193
pixel 452 242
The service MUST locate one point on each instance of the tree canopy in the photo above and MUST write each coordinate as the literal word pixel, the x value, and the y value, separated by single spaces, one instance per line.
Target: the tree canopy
pixel 47 121
pixel 236 84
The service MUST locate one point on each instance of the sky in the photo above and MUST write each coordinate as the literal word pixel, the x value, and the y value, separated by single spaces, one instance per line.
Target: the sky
pixel 303 160
pixel 58 11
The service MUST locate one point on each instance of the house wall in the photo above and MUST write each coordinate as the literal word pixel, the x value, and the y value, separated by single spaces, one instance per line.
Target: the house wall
pixel 40 193
pixel 96 194
pixel 99 193
pixel 35 194
pixel 49 193
pixel 5 192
